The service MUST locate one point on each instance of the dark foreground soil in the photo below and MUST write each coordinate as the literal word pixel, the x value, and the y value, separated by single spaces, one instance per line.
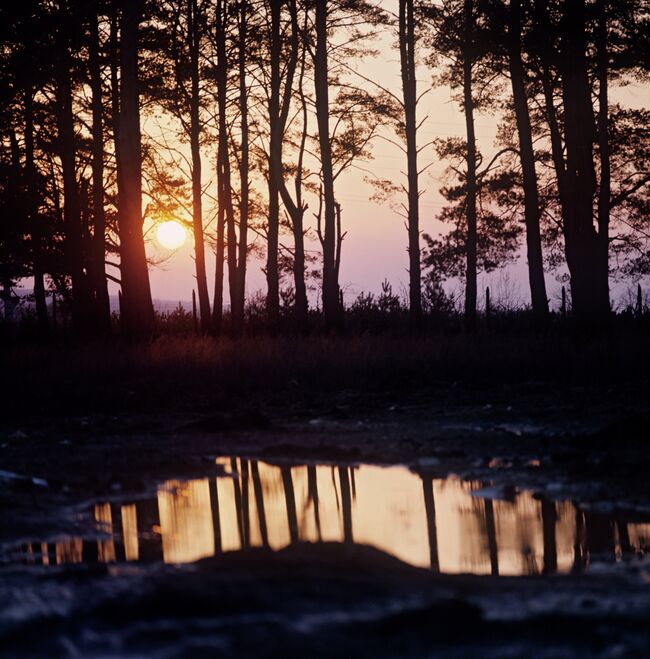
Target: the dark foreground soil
pixel 585 441
pixel 324 601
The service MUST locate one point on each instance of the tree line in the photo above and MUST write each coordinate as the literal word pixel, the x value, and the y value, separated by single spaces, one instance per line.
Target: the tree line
pixel 112 111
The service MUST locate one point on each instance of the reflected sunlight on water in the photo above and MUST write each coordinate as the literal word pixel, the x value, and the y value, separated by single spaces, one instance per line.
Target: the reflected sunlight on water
pixel 441 524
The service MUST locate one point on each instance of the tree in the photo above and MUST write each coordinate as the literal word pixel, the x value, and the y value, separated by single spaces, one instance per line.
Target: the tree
pixel 331 303
pixel 539 300
pixel 98 267
pixel 467 53
pixel 279 105
pixel 137 305
pixel 497 232
pixel 244 171
pixel 76 262
pixel 457 38
pixel 409 90
pixel 577 49
pixel 276 129
pixel 28 72
pixel 586 257
pixel 194 24
pixel 175 72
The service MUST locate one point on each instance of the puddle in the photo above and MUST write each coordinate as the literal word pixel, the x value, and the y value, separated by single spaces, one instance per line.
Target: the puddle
pixel 440 524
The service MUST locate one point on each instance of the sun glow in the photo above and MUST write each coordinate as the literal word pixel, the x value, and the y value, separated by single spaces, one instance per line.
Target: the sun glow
pixel 171 234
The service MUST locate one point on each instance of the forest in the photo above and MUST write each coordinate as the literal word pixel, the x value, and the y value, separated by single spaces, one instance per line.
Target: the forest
pixel 242 118
pixel 285 465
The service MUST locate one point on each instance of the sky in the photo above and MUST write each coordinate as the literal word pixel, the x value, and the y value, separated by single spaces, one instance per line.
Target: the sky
pixel 374 248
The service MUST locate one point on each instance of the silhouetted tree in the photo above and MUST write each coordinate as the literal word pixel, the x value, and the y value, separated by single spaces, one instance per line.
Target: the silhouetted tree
pixel 456 37
pixel 244 170
pixel 98 266
pixel 331 303
pixel 137 306
pixel 532 210
pixel 76 262
pixel 178 45
pixel 407 41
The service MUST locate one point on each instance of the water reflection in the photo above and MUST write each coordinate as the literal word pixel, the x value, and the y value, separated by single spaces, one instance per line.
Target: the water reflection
pixel 441 524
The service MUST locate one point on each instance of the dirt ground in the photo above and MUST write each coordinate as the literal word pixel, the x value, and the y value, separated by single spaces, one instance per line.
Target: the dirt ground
pixel 587 444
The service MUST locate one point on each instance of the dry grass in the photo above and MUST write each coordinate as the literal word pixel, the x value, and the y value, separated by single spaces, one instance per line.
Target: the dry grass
pixel 174 372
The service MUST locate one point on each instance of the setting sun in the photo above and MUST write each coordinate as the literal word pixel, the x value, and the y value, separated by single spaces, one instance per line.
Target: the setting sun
pixel 171 234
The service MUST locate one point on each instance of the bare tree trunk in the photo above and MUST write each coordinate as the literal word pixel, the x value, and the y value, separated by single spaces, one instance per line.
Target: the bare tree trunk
pixel 194 41
pixel 471 215
pixel 34 217
pixel 114 61
pixel 222 154
pixel 114 55
pixel 409 88
pixel 538 296
pixel 136 292
pixel 74 257
pixel 604 190
pixel 586 259
pixel 301 303
pixel 275 146
pixel 102 303
pixel 331 305
pixel 217 305
pixel 226 218
pixel 238 304
pixel 295 209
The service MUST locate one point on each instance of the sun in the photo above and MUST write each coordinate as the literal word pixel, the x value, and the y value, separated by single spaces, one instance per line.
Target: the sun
pixel 171 234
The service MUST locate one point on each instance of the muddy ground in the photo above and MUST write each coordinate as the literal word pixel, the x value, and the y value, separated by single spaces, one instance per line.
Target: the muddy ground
pixel 586 443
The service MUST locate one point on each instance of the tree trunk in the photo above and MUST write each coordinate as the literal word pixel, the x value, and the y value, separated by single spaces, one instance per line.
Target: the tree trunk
pixel 194 39
pixel 297 217
pixel 409 88
pixel 301 303
pixel 275 146
pixel 114 55
pixel 604 190
pixel 34 217
pixel 102 302
pixel 295 209
pixel 226 217
pixel 468 104
pixel 238 304
pixel 217 305
pixel 538 296
pixel 222 153
pixel 586 259
pixel 138 321
pixel 74 257
pixel 331 305
pixel 114 61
